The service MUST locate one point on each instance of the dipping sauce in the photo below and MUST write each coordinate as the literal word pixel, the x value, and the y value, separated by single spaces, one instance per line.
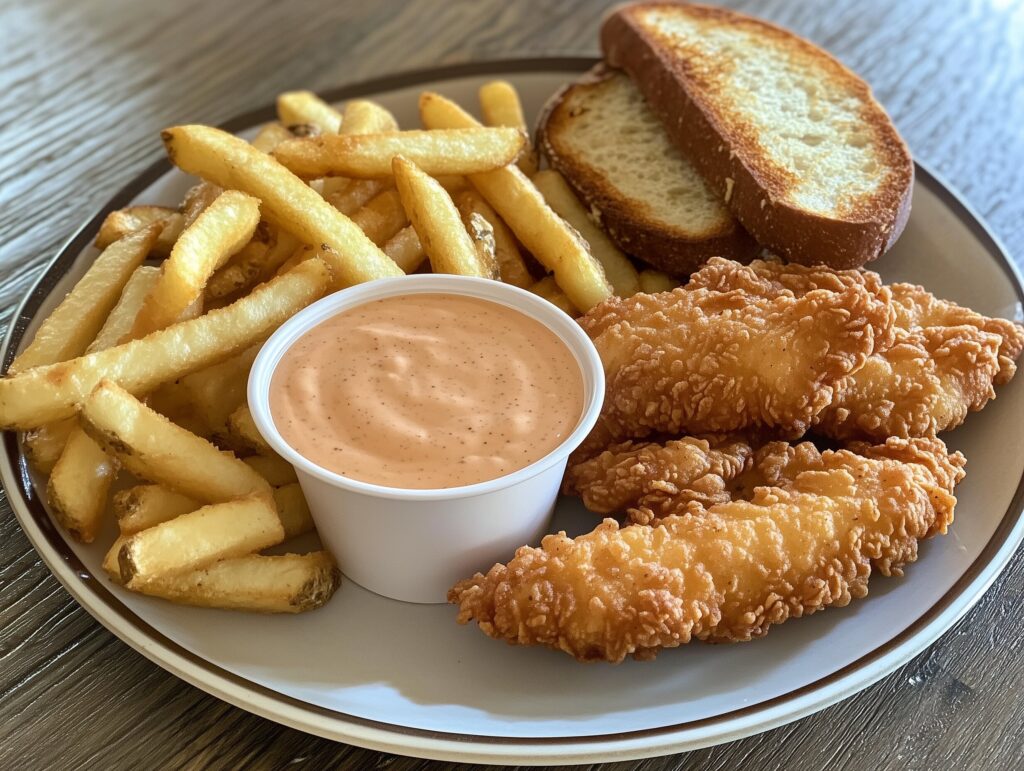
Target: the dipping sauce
pixel 427 391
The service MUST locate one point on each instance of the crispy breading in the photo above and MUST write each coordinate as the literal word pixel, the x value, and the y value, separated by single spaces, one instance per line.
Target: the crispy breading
pixel 694 361
pixel 941 363
pixel 648 480
pixel 731 571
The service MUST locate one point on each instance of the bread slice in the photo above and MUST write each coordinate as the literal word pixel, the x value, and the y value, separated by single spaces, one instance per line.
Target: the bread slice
pixel 602 137
pixel 795 143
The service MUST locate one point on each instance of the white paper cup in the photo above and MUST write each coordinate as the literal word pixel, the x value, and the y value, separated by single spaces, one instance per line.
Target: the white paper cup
pixel 413 545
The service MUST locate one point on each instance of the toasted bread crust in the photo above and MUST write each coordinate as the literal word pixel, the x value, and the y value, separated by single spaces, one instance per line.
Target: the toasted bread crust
pixel 727 154
pixel 670 249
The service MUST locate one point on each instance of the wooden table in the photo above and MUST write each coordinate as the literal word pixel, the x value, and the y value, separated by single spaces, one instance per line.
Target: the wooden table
pixel 84 88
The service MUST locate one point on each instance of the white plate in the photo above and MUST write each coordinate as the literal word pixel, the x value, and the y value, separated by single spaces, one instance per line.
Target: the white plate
pixel 407 679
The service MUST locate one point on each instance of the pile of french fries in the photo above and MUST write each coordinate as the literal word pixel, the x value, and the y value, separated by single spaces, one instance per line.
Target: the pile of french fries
pixel 131 396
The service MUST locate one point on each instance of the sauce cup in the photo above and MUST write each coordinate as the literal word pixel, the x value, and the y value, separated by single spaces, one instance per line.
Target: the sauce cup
pixel 413 545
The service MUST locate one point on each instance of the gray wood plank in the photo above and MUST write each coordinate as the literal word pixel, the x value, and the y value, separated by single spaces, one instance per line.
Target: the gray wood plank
pixel 84 89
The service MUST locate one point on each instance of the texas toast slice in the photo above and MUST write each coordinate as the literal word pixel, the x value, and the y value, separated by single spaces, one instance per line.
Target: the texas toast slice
pixel 793 141
pixel 606 142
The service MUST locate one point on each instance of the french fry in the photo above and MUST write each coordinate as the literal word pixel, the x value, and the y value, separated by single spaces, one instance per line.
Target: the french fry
pixel 248 269
pixel 73 324
pixel 361 116
pixel 298 107
pixel 43 445
pixel 223 228
pixel 482 235
pixel 153 448
pixel 286 201
pixel 405 249
pixel 44 394
pixel 453 183
pixel 200 538
pixel 560 197
pixel 78 486
pixel 546 235
pixel 350 195
pixel 275 469
pixel 121 222
pixel 511 264
pixel 500 105
pixel 270 136
pixel 382 217
pixel 242 429
pixel 290 583
pixel 437 223
pixel 217 391
pixel 654 281
pixel 293 510
pixel 110 564
pixel 196 201
pixel 550 291
pixel 118 326
pixel 369 156
pixel 144 506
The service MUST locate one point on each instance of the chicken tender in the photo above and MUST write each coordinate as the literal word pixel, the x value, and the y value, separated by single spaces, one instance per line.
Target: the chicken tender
pixel 695 361
pixel 648 480
pixel 730 571
pixel 941 363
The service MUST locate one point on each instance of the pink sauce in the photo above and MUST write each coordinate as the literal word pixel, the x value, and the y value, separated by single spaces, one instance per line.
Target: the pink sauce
pixel 427 391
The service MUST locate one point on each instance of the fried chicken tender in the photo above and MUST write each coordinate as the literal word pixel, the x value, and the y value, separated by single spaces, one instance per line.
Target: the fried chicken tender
pixel 941 363
pixel 732 570
pixel 751 355
pixel 648 480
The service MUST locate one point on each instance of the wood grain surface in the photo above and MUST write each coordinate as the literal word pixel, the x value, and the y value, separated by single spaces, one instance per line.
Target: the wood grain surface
pixel 84 88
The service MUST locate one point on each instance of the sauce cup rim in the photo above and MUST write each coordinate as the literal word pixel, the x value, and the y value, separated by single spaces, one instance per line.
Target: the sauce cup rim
pixel 533 306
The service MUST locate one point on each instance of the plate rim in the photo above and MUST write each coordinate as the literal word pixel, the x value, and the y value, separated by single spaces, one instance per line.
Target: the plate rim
pixel 90 592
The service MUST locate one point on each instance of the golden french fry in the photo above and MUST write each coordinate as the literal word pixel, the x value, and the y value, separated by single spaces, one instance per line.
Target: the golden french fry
pixel 110 564
pixel 289 583
pixel 78 486
pixel 121 222
pixel 293 510
pixel 382 217
pixel 560 197
pixel 43 445
pixel 405 249
pixel 118 326
pixel 223 228
pixel 275 469
pixel 73 324
pixel 482 235
pixel 511 264
pixel 305 107
pixel 144 506
pixel 350 195
pixel 217 391
pixel 546 235
pixel 286 201
pixel 500 105
pixel 249 268
pixel 44 394
pixel 270 136
pixel 242 429
pixel 437 223
pixel 155 449
pixel 368 156
pixel 550 291
pixel 453 183
pixel 654 281
pixel 196 201
pixel 200 538
pixel 361 116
